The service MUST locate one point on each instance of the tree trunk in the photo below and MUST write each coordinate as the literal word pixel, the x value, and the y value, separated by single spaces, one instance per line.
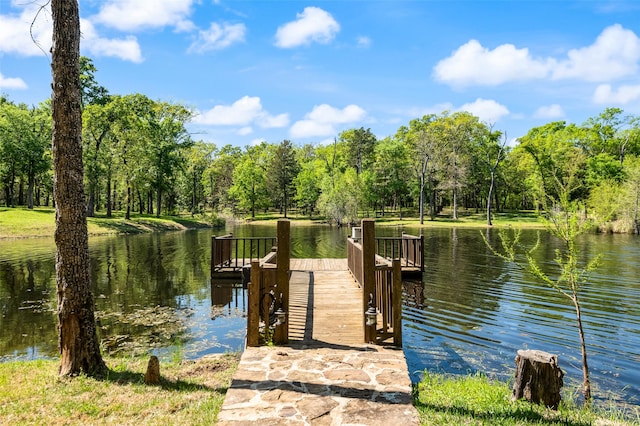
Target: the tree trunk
pixel 127 214
pixel 586 383
pixel 91 201
pixel 455 204
pixel 109 206
pixel 78 340
pixel 538 378
pixel 489 198
pixel 158 202
pixel 30 190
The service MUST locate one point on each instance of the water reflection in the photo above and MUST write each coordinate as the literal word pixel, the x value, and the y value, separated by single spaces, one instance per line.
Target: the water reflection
pixel 472 311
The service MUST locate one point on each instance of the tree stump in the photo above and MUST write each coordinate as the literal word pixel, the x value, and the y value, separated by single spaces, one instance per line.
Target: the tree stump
pixel 538 378
pixel 152 376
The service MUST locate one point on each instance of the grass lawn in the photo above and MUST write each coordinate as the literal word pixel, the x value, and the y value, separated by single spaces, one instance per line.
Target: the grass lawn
pixel 477 400
pixel 467 219
pixel 192 393
pixel 40 222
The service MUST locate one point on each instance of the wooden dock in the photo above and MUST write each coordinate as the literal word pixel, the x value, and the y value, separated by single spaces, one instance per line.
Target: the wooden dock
pixel 325 375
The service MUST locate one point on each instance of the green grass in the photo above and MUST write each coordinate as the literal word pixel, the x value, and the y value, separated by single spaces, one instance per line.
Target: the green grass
pixel 190 392
pixel 477 400
pixel 466 219
pixel 40 222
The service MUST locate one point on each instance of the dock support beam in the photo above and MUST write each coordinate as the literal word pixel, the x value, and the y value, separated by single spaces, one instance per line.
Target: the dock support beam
pixel 253 311
pixel 368 274
pixel 283 259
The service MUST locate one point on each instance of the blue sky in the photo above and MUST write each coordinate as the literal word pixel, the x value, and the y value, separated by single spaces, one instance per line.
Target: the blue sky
pixel 305 71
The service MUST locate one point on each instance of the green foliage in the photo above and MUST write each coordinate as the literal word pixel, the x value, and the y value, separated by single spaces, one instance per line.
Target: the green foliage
pixel 307 188
pixel 249 187
pixel 340 197
pixel 139 157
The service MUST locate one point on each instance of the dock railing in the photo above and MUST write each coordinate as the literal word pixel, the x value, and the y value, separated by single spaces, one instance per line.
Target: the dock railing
pixel 231 254
pixel 409 249
pixel 381 278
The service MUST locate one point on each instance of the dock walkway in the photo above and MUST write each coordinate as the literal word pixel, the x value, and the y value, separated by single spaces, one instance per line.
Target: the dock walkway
pixel 325 375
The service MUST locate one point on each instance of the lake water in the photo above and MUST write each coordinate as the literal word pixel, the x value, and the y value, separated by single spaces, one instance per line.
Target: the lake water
pixel 472 312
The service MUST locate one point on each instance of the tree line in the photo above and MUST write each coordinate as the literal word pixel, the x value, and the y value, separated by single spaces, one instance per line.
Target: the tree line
pixel 139 157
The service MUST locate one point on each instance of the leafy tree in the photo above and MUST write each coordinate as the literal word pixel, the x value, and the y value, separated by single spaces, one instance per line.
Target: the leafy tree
pixel 91 92
pixel 307 186
pixel 390 168
pixel 360 144
pixel 631 192
pixel 24 142
pixel 459 131
pixel 490 153
pixel 553 147
pixel 340 197
pixel 166 139
pixel 604 201
pixel 283 168
pixel 78 339
pixel 198 158
pixel 129 142
pixel 218 177
pixel 249 182
pixel 98 121
pixel 601 168
pixel 423 142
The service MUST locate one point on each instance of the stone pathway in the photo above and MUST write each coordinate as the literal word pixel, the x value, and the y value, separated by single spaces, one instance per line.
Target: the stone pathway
pixel 354 385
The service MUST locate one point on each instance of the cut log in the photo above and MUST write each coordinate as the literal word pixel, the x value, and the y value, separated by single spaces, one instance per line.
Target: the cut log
pixel 152 376
pixel 538 378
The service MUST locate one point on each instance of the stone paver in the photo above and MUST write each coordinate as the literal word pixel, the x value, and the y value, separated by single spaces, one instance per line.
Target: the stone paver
pixel 357 385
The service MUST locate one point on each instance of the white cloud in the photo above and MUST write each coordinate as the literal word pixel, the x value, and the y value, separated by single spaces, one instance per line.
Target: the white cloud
pixel 605 94
pixel 327 114
pixel 16 31
pixel 274 121
pixel 126 49
pixel 310 128
pixel 549 112
pixel 243 112
pixel 218 37
pixel 15 36
pixel 134 15
pixel 322 120
pixel 473 64
pixel 487 110
pixel 363 41
pixel 614 54
pixel 312 25
pixel 244 131
pixel 12 83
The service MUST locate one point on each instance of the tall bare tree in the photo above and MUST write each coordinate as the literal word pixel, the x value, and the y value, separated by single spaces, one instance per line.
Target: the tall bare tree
pixel 77 336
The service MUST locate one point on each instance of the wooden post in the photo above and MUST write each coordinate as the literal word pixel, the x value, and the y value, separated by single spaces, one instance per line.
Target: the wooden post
pixel 253 308
pixel 213 253
pixel 152 376
pixel 421 254
pixel 368 273
pixel 396 294
pixel 538 378
pixel 283 261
